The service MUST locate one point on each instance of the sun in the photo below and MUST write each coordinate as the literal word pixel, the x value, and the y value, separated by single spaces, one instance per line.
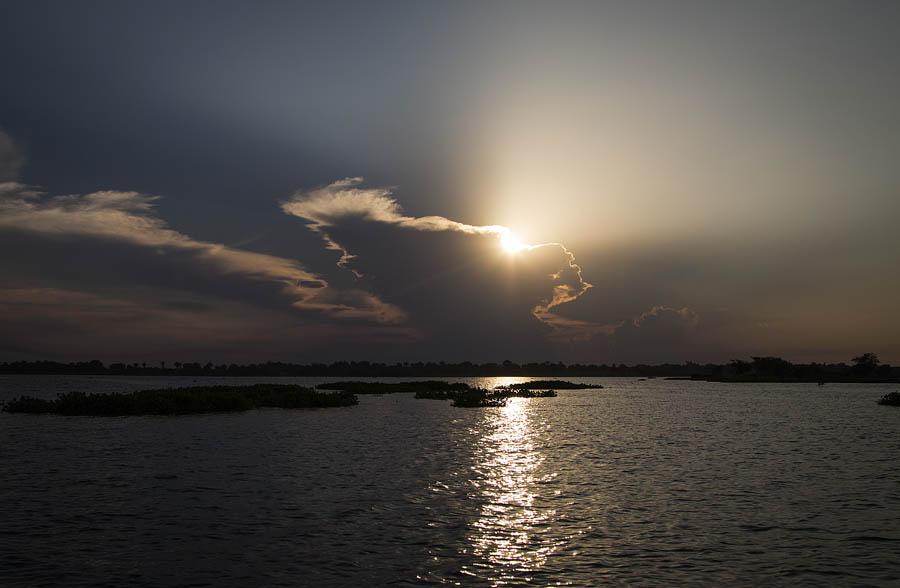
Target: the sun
pixel 511 244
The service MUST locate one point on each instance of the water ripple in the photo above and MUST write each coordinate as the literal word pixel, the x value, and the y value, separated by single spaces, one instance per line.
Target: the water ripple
pixel 653 482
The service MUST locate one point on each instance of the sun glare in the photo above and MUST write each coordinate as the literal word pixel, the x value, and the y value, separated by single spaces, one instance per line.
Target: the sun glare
pixel 511 244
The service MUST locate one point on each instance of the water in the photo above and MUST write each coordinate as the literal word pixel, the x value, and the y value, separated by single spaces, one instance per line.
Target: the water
pixel 657 482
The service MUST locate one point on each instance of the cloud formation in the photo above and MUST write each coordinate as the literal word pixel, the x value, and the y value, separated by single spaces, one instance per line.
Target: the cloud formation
pixel 660 334
pixel 127 217
pixel 435 287
pixel 452 278
pixel 329 205
pixel 107 257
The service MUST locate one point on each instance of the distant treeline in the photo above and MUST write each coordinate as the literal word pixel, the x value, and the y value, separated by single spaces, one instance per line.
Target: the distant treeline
pixel 865 367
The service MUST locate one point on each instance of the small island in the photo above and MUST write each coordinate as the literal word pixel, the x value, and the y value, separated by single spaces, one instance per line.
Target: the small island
pixel 359 387
pixel 179 401
pixel 892 399
pixel 551 385
pixel 462 395
pixel 438 389
pixel 205 399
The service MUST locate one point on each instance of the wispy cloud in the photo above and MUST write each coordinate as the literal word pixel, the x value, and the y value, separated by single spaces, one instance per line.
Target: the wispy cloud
pixel 325 209
pixel 327 206
pixel 129 217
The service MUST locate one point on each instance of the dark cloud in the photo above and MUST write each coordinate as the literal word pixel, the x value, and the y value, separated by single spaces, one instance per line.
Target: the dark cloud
pixel 460 289
pixel 125 221
pixel 101 275
pixel 658 335
pixel 106 275
pixel 92 262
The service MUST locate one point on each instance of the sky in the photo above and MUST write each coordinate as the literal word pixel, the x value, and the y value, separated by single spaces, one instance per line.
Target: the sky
pixel 637 182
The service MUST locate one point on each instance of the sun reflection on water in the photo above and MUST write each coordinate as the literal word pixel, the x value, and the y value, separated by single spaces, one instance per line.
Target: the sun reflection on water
pixel 512 535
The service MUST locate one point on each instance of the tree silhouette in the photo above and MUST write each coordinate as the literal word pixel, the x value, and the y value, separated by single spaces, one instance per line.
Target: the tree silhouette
pixel 865 363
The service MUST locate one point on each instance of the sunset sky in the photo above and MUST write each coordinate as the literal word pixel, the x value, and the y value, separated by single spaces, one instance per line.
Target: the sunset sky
pixel 585 182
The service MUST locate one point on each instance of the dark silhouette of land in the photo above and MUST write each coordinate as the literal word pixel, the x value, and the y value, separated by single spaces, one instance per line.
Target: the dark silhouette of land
pixel 550 385
pixel 440 386
pixel 394 387
pixel 189 400
pixel 892 399
pixel 461 394
pixel 864 368
pixel 201 399
pixel 478 398
pixel 473 396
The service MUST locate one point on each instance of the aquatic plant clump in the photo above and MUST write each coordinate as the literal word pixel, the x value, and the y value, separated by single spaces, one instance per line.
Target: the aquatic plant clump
pixel 892 399
pixel 479 397
pixel 439 394
pixel 505 392
pixel 189 400
pixel 461 394
pixel 424 387
pixel 550 385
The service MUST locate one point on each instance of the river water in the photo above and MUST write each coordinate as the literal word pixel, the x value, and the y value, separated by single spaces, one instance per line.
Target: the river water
pixel 654 482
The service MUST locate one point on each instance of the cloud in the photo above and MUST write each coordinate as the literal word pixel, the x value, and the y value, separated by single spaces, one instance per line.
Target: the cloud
pixel 128 217
pixel 660 334
pixel 330 205
pixel 434 287
pixel 11 159
pixel 452 278
pixel 664 319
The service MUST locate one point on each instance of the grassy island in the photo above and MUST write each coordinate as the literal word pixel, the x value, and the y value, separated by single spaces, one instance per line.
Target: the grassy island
pixel 550 385
pixel 496 397
pixel 439 390
pixel 189 400
pixel 459 393
pixel 507 393
pixel 427 386
pixel 200 399
pixel 479 397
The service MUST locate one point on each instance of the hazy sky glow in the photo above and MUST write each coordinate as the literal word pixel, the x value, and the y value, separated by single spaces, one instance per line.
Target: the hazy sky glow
pixel 241 182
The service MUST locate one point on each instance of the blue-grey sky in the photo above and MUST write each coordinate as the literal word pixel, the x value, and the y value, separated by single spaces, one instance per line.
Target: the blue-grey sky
pixel 313 181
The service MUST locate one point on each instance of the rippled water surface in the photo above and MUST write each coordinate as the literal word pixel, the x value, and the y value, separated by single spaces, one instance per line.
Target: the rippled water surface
pixel 658 482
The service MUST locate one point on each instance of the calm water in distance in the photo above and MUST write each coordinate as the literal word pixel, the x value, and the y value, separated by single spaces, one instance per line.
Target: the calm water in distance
pixel 654 482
